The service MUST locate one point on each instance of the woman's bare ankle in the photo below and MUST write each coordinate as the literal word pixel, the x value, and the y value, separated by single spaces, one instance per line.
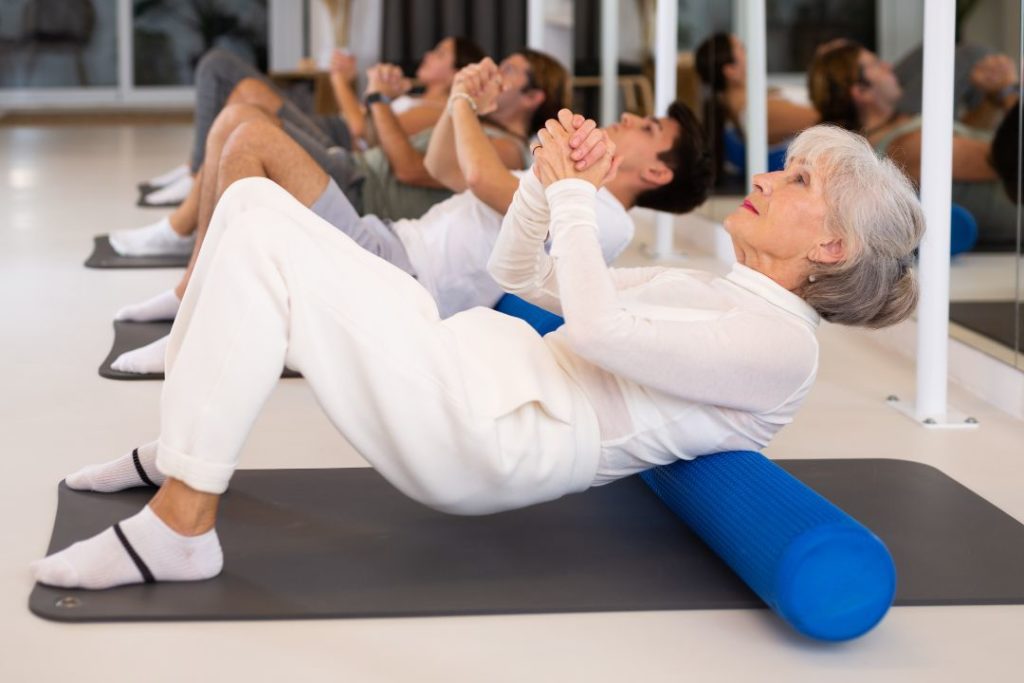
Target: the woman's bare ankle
pixel 183 509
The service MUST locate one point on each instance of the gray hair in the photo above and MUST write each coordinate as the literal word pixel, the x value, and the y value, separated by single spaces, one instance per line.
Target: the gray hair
pixel 874 209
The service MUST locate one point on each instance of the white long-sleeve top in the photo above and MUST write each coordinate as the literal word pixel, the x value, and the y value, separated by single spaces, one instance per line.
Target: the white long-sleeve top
pixel 676 363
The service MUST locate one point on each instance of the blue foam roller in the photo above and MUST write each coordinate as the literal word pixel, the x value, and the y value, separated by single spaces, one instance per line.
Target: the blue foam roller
pixel 539 319
pixel 736 152
pixel 819 569
pixel 963 230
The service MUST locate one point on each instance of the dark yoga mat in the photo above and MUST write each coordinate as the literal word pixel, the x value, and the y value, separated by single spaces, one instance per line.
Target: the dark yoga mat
pixel 104 256
pixel 129 336
pixel 994 319
pixel 343 543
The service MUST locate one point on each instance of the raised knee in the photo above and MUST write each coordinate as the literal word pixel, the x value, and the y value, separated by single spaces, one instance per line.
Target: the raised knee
pixel 212 62
pixel 248 90
pixel 248 136
pixel 247 193
pixel 233 115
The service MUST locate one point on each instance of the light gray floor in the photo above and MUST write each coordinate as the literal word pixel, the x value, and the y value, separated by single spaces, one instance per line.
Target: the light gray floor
pixel 61 185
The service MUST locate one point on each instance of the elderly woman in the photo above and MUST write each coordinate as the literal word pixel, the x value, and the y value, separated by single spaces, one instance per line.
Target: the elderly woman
pixel 476 413
pixel 853 88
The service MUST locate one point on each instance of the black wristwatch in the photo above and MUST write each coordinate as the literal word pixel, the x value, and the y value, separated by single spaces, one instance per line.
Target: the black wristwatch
pixel 375 97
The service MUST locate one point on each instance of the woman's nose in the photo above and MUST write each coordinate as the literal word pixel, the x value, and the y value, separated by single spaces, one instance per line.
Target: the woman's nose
pixel 763 182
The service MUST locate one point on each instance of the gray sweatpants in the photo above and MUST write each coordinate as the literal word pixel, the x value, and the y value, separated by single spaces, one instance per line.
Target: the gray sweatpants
pixel 370 232
pixel 217 74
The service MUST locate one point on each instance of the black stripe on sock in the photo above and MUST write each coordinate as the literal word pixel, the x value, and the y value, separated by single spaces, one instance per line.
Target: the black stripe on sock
pixel 147 575
pixel 138 468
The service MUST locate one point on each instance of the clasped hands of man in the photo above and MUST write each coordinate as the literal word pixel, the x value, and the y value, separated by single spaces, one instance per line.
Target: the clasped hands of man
pixel 571 146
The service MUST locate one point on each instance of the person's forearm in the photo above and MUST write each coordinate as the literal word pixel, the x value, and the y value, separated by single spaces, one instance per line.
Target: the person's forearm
pixel 406 162
pixel 441 160
pixel 990 111
pixel 518 262
pixel 349 107
pixel 477 157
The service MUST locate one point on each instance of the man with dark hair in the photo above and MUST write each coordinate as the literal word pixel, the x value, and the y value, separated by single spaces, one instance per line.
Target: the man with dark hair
pixel 691 164
pixel 664 165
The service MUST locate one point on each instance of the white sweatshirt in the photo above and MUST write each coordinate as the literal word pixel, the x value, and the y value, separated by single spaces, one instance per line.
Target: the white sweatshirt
pixel 676 363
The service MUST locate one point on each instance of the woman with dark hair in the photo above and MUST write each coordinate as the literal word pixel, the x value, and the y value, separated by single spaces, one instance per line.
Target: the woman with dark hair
pixel 223 79
pixel 853 88
pixel 721 62
pixel 234 93
pixel 421 105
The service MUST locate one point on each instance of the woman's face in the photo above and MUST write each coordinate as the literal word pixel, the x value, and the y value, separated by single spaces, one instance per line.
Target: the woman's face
pixel 783 218
pixel 737 70
pixel 879 78
pixel 438 65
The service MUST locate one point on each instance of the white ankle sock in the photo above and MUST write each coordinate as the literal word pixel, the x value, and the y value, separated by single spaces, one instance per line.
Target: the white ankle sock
pixel 155 239
pixel 148 358
pixel 145 550
pixel 165 179
pixel 137 468
pixel 163 306
pixel 171 195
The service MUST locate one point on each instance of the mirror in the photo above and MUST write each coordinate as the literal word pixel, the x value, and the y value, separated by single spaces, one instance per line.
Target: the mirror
pixel 984 296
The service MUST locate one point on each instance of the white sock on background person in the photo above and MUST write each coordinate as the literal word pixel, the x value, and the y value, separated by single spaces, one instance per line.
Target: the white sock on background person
pixel 170 195
pixel 165 179
pixel 140 549
pixel 133 469
pixel 155 239
pixel 163 306
pixel 145 359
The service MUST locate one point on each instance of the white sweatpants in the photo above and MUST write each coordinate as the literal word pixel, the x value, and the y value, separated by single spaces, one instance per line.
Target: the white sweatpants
pixel 469 415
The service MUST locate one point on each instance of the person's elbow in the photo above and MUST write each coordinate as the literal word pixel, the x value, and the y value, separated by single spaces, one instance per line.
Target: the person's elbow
pixel 474 178
pixel 434 169
pixel 412 173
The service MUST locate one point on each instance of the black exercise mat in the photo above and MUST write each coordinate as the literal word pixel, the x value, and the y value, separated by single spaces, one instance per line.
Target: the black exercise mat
pixel 104 256
pixel 129 336
pixel 343 543
pixel 994 319
pixel 982 247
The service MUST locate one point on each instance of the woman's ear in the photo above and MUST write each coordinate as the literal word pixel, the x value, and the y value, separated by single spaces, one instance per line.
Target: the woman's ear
pixel 830 252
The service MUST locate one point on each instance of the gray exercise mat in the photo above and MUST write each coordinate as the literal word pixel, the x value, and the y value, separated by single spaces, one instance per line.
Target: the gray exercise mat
pixel 104 256
pixel 994 319
pixel 129 336
pixel 331 543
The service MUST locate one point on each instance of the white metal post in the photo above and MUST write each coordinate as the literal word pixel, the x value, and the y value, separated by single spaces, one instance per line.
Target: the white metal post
pixel 756 117
pixel 535 24
pixel 125 49
pixel 609 61
pixel 666 47
pixel 936 191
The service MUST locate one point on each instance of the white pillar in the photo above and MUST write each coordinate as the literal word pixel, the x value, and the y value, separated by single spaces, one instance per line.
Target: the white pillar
pixel 535 24
pixel 936 195
pixel 739 19
pixel 609 61
pixel 756 117
pixel 666 49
